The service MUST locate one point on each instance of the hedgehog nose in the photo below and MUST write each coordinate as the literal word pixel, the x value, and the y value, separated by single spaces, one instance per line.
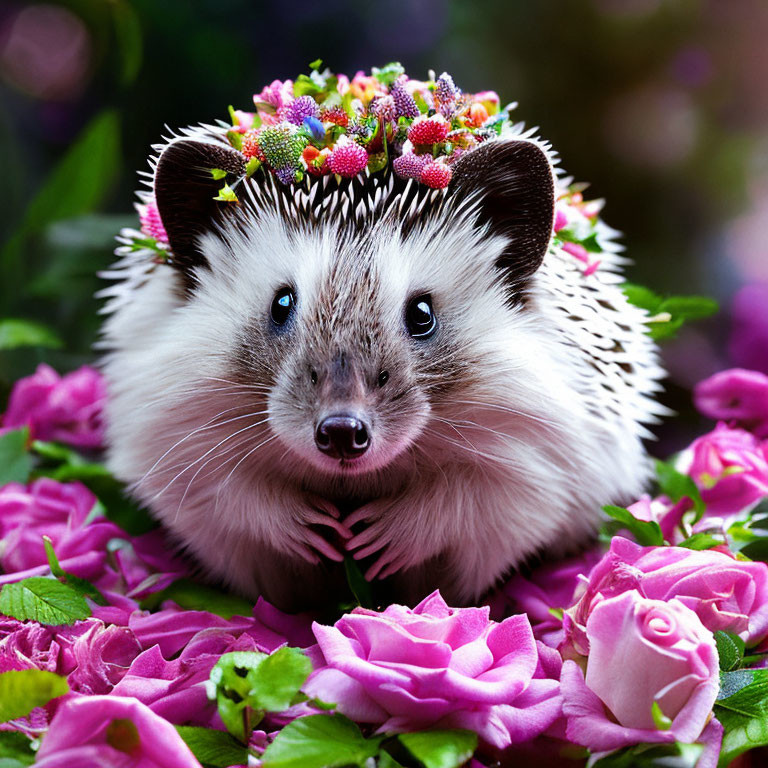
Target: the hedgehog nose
pixel 342 437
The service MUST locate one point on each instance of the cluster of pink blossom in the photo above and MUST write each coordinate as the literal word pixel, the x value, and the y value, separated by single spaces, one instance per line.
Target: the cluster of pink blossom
pixel 613 649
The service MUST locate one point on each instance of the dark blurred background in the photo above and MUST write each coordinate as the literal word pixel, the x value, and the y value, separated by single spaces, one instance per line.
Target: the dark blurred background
pixel 661 104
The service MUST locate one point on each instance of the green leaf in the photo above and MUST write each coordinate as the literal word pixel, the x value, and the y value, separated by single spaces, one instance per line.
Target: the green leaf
pixel 15 462
pixel 46 601
pixel 218 173
pixel 319 741
pixel 440 749
pixel 677 486
pixel 316 64
pixel 15 333
pixel 84 587
pixel 689 307
pixel 77 185
pixel 278 679
pixel 128 37
pixel 227 194
pixel 701 541
pixel 15 750
pixel 387 74
pixel 360 588
pixel 252 166
pixel 200 597
pixel 214 749
pixel 646 533
pixel 730 649
pixel 742 709
pixel 660 720
pixel 21 691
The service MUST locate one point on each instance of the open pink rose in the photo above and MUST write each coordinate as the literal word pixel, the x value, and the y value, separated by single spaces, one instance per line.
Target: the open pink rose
pixel 120 732
pixel 730 467
pixel 64 408
pixel 436 666
pixel 738 396
pixel 58 510
pixel 725 593
pixel 641 652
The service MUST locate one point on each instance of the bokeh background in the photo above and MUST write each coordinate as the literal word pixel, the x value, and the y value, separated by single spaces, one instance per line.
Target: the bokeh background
pixel 661 104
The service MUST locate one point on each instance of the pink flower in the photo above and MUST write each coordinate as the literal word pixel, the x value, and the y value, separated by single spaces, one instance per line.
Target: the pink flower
pixel 725 593
pixel 549 588
pixel 151 223
pixel 436 666
pixel 97 731
pixel 738 396
pixel 641 652
pixel 65 408
pixel 58 510
pixel 730 467
pixel 175 689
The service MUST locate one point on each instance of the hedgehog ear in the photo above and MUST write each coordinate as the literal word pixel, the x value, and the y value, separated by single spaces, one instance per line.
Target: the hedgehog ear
pixel 185 190
pixel 515 182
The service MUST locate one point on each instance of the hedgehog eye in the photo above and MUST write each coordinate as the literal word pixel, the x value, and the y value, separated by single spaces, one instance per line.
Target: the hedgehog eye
pixel 282 306
pixel 420 318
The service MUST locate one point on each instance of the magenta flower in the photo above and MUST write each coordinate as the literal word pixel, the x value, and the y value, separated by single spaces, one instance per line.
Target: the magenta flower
pixel 98 731
pixel 642 652
pixel 730 467
pixel 549 588
pixel 58 510
pixel 175 689
pixel 738 396
pixel 725 593
pixel 436 666
pixel 64 408
pixel 151 223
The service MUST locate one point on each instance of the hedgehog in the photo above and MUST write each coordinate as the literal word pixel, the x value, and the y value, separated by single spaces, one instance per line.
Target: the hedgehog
pixel 431 380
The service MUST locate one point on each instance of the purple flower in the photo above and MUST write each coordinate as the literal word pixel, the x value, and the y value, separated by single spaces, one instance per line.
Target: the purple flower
pixel 737 396
pixel 300 109
pixel 436 666
pixel 642 653
pixel 175 689
pixel 98 731
pixel 725 593
pixel 65 408
pixel 550 587
pixel 58 510
pixel 730 467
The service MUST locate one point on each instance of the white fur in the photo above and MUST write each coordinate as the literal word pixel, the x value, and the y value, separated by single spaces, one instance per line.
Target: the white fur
pixel 549 431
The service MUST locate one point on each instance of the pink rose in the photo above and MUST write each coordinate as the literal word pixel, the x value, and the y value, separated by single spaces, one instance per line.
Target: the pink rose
pixel 641 652
pixel 97 731
pixel 58 510
pixel 175 689
pixel 725 593
pixel 436 666
pixel 64 408
pixel 738 396
pixel 730 467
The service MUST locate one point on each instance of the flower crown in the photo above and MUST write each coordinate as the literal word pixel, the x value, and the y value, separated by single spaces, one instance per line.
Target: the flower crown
pixel 326 124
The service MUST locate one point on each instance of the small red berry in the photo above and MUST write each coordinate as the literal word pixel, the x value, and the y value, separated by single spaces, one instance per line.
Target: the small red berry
pixel 429 130
pixel 347 159
pixel 436 175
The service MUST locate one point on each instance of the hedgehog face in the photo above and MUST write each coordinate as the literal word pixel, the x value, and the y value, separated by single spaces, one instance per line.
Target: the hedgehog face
pixel 360 311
